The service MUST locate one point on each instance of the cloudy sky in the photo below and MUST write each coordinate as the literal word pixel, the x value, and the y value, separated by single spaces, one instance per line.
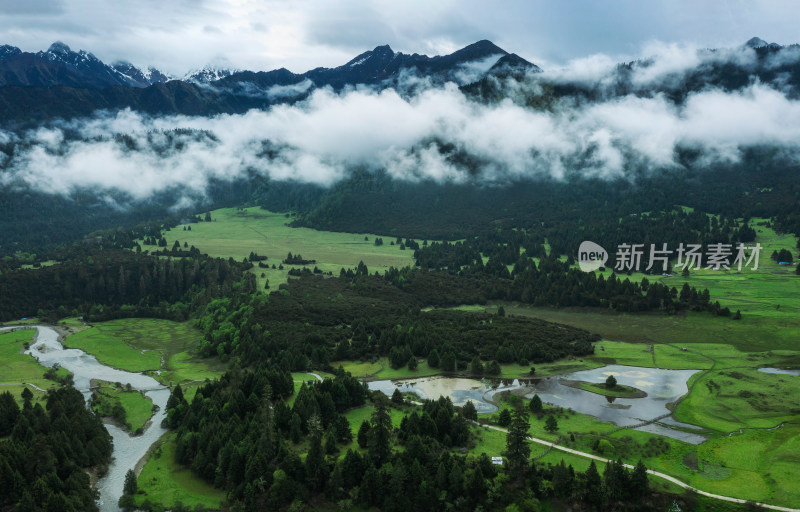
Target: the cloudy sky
pixel 179 35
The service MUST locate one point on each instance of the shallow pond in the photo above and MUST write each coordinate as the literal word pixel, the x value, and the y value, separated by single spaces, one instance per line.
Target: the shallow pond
pixel 781 371
pixel 128 450
pixel 662 387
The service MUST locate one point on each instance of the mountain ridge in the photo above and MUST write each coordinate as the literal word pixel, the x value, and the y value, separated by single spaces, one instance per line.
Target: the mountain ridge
pixel 63 83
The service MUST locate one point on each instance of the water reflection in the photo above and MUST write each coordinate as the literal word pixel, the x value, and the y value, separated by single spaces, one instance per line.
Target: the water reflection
pixel 781 371
pixel 662 387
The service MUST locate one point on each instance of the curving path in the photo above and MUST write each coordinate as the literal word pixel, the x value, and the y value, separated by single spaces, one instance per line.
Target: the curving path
pixel 34 386
pixel 649 471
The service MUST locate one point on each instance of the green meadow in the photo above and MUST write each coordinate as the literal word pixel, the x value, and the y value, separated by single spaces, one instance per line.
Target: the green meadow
pixel 358 415
pixel 162 348
pixel 727 400
pixel 18 369
pixel 163 481
pixel 138 408
pixel 380 369
pixel 754 464
pixel 235 233
pixel 768 299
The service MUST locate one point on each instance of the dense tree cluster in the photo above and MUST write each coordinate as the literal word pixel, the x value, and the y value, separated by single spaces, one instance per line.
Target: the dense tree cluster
pixel 103 284
pixel 314 321
pixel 240 438
pixel 296 259
pixel 232 435
pixel 43 462
pixel 552 282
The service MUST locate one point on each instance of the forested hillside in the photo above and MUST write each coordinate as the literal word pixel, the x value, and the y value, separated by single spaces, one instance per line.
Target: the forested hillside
pixel 44 462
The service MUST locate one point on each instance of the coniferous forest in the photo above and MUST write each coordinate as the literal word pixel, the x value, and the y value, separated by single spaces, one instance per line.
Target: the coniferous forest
pixel 44 461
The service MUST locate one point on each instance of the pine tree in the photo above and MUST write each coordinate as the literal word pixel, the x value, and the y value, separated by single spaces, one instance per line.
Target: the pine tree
pixel 493 368
pixel 131 487
pixel 615 479
pixel 551 424
pixel 27 396
pixel 504 419
pixel 469 411
pixel 476 366
pixel 316 471
pixel 380 432
pixel 517 448
pixel 295 428
pixel 363 434
pixel 563 480
pixel 9 411
pixel 593 491
pixel 267 447
pixel 330 442
pixel 433 359
pixel 535 404
pixel 638 481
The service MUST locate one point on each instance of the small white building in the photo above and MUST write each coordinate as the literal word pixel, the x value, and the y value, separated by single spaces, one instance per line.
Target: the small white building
pixel 497 461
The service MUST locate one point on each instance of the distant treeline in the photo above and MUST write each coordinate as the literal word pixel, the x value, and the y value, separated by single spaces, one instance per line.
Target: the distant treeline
pixel 552 282
pixel 36 223
pixel 101 284
pixel 563 213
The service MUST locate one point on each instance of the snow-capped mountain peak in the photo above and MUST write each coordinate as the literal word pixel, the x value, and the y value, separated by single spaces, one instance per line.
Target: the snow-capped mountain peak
pixel 59 48
pixel 138 77
pixel 207 74
pixel 7 51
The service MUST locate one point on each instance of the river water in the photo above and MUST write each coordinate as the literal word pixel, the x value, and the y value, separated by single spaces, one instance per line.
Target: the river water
pixel 662 387
pixel 128 450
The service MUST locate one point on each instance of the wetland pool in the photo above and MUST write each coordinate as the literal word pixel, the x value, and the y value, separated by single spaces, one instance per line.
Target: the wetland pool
pixel 662 387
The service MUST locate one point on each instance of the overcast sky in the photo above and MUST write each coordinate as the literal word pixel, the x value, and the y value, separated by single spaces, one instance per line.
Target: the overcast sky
pixel 178 35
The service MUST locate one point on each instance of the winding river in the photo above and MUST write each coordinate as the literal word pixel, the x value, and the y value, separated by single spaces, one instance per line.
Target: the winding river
pixel 128 449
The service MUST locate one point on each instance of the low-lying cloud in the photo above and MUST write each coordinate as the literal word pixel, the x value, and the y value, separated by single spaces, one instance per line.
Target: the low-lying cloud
pixel 437 133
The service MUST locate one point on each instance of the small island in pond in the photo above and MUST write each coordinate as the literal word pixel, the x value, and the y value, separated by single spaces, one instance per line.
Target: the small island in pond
pixel 601 388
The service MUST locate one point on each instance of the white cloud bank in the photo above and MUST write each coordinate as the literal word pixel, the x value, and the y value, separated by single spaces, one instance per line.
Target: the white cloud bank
pixel 320 139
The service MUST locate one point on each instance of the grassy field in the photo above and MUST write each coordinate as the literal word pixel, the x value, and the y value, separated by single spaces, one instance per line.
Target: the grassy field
pixel 138 408
pixel 146 344
pixel 767 298
pixel 17 368
pixel 164 481
pixel 235 233
pixel 493 443
pixel 381 369
pixel 727 400
pixel 358 415
pixel 23 321
pixel 754 465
